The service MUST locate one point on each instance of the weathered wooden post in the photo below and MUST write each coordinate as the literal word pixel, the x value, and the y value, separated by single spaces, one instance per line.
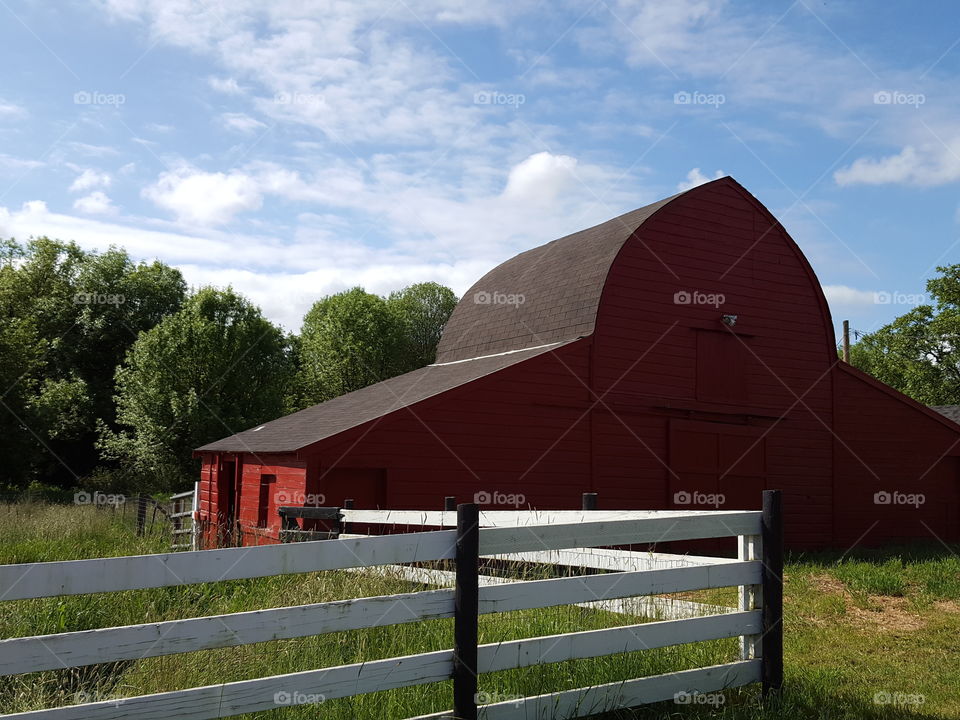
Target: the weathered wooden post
pixel 466 605
pixel 771 542
pixel 141 513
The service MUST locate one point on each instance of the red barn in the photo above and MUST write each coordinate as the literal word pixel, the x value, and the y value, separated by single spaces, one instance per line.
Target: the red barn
pixel 679 356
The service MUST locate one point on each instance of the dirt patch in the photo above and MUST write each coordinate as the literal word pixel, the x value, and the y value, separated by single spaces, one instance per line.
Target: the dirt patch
pixel 949 606
pixel 828 584
pixel 894 615
pixel 886 614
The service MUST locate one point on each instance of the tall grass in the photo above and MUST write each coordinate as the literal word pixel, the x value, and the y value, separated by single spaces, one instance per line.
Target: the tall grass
pixel 837 661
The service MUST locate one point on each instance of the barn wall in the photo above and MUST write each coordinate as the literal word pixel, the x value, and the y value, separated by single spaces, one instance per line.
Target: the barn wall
pixel 662 354
pixel 886 446
pixel 288 489
pixel 523 431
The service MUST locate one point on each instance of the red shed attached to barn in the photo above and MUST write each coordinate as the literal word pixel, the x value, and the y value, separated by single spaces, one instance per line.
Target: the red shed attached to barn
pixel 679 356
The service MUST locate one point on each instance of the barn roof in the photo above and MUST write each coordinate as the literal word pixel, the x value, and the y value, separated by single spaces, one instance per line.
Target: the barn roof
pixel 319 422
pixel 560 284
pixel 948 411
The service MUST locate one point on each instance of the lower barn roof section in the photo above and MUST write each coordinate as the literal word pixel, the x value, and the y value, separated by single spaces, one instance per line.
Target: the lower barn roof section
pixel 308 426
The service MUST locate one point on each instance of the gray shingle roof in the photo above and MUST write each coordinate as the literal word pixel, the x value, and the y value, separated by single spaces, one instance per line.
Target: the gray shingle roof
pixel 560 284
pixel 949 411
pixel 316 423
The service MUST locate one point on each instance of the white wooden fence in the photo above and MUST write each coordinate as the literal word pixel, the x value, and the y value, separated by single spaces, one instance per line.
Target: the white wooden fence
pixel 514 535
pixel 183 508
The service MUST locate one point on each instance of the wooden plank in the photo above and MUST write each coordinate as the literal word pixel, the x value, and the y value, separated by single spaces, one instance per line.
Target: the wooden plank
pixel 614 696
pixel 262 694
pixel 312 513
pixel 132 642
pixel 618 598
pixel 609 559
pixel 619 532
pixel 610 641
pixel 748 596
pixel 76 577
pixel 571 590
pixel 520 518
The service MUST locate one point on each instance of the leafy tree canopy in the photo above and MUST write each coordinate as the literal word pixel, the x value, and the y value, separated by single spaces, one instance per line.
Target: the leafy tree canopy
pixel 919 352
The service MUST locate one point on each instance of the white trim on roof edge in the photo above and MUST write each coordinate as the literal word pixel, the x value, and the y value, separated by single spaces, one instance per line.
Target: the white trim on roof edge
pixel 508 352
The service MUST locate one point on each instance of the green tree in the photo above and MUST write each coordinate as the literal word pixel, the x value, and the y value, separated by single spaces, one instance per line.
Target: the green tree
pixel 20 353
pixel 423 310
pixel 348 341
pixel 81 310
pixel 215 367
pixel 919 352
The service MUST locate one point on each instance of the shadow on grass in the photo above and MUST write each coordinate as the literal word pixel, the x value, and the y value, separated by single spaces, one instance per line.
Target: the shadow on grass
pixel 908 553
pixel 802 701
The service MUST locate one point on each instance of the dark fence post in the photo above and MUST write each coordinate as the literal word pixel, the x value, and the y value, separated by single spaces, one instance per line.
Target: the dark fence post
pixel 771 532
pixel 141 513
pixel 346 527
pixel 589 501
pixel 449 503
pixel 465 612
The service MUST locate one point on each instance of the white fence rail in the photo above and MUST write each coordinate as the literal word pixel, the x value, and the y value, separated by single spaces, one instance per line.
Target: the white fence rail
pixel 513 536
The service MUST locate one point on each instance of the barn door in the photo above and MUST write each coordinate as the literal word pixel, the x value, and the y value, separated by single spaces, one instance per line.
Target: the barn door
pixel 715 466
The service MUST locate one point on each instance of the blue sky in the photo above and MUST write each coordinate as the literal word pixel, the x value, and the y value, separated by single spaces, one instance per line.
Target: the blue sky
pixel 296 148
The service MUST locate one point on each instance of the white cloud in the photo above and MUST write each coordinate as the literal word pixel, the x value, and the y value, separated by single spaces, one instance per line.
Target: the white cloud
pixel 540 178
pixel 849 297
pixel 18 164
pixel 241 122
pixel 9 110
pixel 928 165
pixel 90 179
pixel 695 177
pixel 228 86
pixel 96 203
pixel 205 198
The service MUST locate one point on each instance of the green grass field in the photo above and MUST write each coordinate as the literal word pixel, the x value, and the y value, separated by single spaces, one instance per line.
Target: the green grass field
pixel 876 635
